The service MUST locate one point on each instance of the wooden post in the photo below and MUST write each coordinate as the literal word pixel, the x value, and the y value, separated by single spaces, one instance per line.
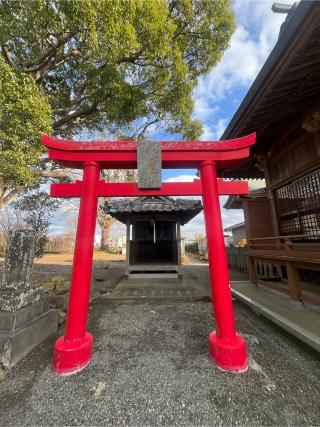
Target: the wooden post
pixel 252 269
pixel 294 282
pixel 179 249
pixel 127 248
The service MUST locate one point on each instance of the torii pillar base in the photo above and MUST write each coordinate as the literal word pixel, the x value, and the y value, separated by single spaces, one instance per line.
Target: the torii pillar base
pixel 228 356
pixel 71 357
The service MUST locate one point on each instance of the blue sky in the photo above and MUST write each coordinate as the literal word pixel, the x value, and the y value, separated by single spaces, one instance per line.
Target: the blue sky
pixel 219 94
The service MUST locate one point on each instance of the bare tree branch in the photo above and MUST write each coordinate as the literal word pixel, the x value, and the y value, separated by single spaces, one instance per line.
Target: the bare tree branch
pixel 66 110
pixel 76 114
pixel 71 55
pixel 11 196
pixel 55 173
pixel 145 127
pixel 6 55
pixel 32 67
pixel 130 58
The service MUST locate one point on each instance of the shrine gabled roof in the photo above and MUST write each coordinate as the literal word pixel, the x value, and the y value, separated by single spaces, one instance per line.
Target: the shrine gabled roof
pixel 182 209
pixel 287 86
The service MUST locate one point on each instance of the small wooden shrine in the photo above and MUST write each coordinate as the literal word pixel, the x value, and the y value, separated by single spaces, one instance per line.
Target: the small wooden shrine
pixel 153 246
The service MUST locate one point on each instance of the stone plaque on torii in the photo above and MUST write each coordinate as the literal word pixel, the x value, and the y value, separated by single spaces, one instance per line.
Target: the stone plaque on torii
pixel 73 351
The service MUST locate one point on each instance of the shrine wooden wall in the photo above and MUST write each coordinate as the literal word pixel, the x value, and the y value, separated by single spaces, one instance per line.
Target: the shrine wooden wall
pixel 258 218
pixel 293 156
pixel 292 170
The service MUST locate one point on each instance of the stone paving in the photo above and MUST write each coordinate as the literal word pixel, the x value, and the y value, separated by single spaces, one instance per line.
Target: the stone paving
pixel 303 323
pixel 160 289
pixel 151 367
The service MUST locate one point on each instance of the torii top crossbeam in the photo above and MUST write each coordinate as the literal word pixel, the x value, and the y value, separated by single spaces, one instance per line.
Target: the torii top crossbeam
pixel 123 155
pixel 74 350
pixel 175 154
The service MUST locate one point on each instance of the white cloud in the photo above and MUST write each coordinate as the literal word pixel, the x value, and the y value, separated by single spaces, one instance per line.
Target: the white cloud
pixel 257 32
pixel 203 109
pixel 181 178
pixel 214 131
pixel 258 17
pixel 239 65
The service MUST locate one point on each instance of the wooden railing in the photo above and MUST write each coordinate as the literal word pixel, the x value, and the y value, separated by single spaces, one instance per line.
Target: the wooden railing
pixel 237 258
pixel 296 253
pixel 300 243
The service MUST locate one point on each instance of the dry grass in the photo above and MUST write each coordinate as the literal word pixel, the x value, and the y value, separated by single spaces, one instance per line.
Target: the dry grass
pixel 66 258
pixel 190 258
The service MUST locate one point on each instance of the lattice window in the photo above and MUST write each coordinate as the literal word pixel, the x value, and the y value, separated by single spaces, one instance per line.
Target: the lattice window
pixel 298 205
pixel 286 201
pixel 310 223
pixel 290 226
pixel 308 191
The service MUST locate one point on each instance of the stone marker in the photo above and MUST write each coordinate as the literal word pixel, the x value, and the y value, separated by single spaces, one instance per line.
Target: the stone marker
pixel 149 164
pixel 25 318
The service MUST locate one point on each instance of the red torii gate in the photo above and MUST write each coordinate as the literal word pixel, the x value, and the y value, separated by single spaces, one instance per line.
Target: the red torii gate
pixel 73 351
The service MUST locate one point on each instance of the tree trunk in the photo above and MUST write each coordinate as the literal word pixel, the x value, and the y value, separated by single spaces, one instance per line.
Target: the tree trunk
pixel 104 242
pixel 105 221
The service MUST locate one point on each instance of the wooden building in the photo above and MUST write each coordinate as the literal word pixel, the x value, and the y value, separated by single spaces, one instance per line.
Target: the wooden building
pixel 153 233
pixel 282 106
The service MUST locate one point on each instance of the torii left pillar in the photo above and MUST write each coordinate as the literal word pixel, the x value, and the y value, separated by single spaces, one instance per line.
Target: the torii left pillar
pixel 73 351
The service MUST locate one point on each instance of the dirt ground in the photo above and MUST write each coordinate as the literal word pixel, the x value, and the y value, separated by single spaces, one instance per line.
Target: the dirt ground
pixel 108 269
pixel 66 258
pixel 60 265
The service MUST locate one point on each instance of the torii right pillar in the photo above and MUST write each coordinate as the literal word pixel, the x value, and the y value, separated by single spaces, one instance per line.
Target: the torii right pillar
pixel 227 348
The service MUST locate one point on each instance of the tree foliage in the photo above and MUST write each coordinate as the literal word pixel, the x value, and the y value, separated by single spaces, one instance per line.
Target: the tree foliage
pixel 36 209
pixel 120 65
pixel 24 113
pixel 116 60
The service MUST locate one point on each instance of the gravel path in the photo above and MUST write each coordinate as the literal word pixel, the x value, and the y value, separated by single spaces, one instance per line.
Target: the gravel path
pixel 151 367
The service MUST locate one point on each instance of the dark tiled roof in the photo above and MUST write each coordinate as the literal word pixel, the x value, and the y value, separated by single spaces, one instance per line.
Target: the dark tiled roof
pixel 186 208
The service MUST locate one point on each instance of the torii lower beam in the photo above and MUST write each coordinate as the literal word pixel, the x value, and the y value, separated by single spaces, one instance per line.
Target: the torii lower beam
pixel 73 351
pixel 130 189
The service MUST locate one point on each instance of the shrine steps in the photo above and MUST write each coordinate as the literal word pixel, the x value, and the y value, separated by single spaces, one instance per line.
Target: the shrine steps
pixel 153 276
pixel 153 271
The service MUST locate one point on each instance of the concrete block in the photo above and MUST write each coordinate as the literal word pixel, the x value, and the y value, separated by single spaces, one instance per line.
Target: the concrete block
pixel 17 343
pixel 61 300
pixel 296 305
pixel 13 320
